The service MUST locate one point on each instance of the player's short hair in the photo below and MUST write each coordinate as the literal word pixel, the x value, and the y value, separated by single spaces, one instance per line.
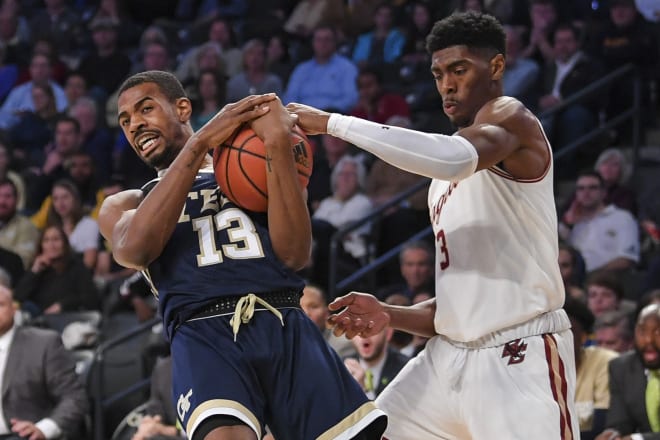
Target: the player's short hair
pixel 475 30
pixel 168 84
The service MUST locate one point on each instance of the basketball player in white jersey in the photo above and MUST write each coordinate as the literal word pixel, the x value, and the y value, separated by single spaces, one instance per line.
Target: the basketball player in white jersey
pixel 500 362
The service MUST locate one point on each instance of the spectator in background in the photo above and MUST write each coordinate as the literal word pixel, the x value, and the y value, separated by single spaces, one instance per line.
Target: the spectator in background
pixel 326 81
pixel 605 294
pixel 383 45
pixel 96 139
pixel 66 211
pixel 544 16
pixel 8 70
pixel 315 305
pixel 307 15
pixel 34 129
pixel 57 281
pixel 210 97
pixel 384 182
pixel 377 364
pixel 592 396
pixel 613 330
pixel 17 233
pixel 7 172
pixel 569 72
pixel 128 32
pixel 43 397
pixel 401 341
pixel 326 155
pixel 521 77
pixel 633 378
pixel 75 87
pixel 615 170
pixel 416 261
pixel 20 98
pixel 47 47
pixel 414 55
pixel 571 267
pixel 107 66
pixel 154 55
pixel 14 33
pixel 220 35
pixel 278 57
pixel 63 25
pixel 160 419
pixel 347 204
pixel 626 38
pixel 375 103
pixel 66 144
pixel 254 79
pixel 606 236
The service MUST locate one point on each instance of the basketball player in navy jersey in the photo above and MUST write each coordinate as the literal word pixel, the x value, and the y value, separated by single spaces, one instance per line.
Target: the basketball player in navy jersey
pixel 244 354
pixel 500 361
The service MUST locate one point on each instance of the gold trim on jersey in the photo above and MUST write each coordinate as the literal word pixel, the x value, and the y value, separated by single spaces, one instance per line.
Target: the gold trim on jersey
pixel 351 420
pixel 220 406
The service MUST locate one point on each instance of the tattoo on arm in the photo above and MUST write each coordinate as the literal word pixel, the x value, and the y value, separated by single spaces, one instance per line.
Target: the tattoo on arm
pixel 268 159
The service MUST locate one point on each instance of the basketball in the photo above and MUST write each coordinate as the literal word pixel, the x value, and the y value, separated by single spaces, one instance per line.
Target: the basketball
pixel 240 167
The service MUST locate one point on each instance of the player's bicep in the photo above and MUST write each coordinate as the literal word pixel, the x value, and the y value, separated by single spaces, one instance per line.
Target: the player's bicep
pixel 493 143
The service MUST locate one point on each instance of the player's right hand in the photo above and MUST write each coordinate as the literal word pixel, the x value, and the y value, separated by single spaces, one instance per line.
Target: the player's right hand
pixel 231 117
pixel 360 314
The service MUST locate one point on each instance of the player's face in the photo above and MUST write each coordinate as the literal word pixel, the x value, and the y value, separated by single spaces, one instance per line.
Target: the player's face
pixel 154 126
pixel 647 341
pixel 465 81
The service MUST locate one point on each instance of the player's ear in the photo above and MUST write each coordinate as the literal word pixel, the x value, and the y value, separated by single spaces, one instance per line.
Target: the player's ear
pixel 183 109
pixel 497 64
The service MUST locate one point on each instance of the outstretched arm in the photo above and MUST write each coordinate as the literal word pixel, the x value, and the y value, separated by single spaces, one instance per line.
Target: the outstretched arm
pixel 361 313
pixel 503 131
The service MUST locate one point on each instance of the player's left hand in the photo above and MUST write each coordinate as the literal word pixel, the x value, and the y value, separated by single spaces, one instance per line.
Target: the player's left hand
pixel 277 122
pixel 362 315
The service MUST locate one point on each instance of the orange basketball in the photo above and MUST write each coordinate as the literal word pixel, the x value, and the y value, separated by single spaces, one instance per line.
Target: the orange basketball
pixel 240 167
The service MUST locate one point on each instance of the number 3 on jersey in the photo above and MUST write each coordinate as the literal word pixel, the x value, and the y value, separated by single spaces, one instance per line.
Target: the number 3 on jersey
pixel 442 246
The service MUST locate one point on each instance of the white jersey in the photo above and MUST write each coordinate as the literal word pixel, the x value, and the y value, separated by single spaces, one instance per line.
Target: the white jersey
pixel 496 252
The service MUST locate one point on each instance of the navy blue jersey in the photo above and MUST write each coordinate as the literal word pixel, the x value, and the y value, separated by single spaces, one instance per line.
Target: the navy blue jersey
pixel 216 250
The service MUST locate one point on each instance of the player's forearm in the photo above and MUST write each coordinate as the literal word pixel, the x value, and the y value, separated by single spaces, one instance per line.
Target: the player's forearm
pixel 431 155
pixel 416 319
pixel 288 218
pixel 143 238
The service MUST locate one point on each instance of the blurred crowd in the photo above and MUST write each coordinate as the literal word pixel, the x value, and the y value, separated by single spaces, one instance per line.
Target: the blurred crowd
pixel 61 152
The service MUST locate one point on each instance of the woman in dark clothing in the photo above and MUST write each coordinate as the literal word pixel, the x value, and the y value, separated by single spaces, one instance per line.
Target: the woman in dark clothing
pixel 57 281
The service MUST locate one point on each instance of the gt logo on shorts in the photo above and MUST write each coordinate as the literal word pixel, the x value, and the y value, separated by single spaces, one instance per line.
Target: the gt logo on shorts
pixel 515 350
pixel 183 405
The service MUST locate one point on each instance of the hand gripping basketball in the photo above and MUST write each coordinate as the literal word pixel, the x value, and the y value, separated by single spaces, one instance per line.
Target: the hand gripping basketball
pixel 240 167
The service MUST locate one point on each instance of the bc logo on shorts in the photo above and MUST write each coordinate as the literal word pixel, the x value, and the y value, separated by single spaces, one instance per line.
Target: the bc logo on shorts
pixel 515 350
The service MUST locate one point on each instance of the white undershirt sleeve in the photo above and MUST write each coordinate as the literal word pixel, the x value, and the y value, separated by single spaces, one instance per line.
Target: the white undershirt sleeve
pixel 429 154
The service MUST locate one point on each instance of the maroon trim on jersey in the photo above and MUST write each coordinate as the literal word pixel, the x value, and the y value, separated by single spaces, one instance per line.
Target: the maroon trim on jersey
pixel 558 385
pixel 496 169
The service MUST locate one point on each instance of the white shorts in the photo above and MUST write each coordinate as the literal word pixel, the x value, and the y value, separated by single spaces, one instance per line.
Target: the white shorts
pixel 517 389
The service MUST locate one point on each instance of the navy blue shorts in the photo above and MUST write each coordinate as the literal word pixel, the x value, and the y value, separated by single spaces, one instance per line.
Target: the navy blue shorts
pixel 287 377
